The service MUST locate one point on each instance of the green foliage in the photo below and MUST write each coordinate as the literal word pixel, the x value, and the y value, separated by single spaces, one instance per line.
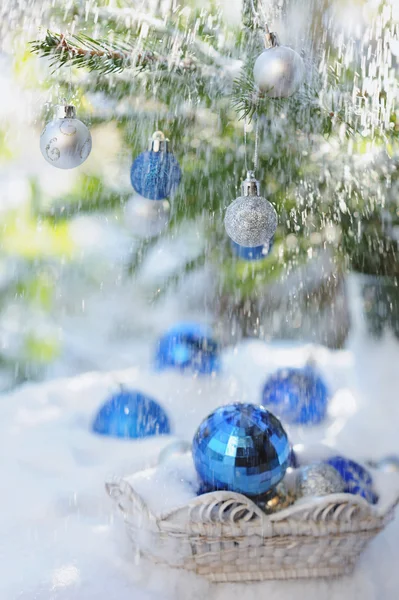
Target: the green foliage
pixel 191 76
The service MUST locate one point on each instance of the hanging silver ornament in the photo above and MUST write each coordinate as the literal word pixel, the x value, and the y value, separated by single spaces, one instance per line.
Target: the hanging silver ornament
pixel 65 142
pixel 319 479
pixel 250 220
pixel 279 70
pixel 146 218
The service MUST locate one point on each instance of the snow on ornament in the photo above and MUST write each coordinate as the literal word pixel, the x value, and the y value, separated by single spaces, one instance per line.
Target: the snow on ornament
pixel 188 346
pixel 297 396
pixel 145 218
pixel 251 220
pixel 242 448
pixel 279 70
pixel 131 414
pixel 65 142
pixel 155 173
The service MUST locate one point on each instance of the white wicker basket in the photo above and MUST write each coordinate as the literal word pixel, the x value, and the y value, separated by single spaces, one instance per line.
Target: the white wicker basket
pixel 225 537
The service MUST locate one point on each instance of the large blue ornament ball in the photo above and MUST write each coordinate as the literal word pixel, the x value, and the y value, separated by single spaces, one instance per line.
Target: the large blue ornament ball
pixel 251 253
pixel 357 479
pixel 155 175
pixel 297 396
pixel 188 346
pixel 242 448
pixel 131 414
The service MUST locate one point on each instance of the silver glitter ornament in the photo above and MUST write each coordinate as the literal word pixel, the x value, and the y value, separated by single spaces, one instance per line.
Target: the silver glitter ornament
pixel 319 479
pixel 279 70
pixel 65 142
pixel 250 220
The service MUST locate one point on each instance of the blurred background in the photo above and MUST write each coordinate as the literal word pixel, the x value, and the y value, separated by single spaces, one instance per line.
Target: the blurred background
pixel 88 278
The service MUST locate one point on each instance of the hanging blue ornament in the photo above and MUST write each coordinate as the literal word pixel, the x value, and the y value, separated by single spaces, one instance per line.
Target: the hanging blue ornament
pixel 242 448
pixel 188 346
pixel 155 174
pixel 131 414
pixel 250 254
pixel 297 396
pixel 357 479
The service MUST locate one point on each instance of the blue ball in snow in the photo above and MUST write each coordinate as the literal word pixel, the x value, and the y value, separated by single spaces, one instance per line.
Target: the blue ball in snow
pixel 131 414
pixel 155 175
pixel 242 448
pixel 188 346
pixel 296 396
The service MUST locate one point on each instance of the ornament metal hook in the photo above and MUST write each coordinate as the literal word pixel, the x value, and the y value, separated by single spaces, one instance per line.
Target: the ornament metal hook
pixel 250 185
pixel 158 142
pixel 271 38
pixel 65 111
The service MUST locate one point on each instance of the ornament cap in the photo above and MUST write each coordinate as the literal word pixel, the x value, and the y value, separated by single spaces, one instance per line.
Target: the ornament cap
pixel 65 111
pixel 271 38
pixel 158 142
pixel 250 186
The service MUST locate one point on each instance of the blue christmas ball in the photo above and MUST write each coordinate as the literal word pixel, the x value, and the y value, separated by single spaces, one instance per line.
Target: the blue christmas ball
pixel 297 396
pixel 155 175
pixel 252 253
pixel 357 479
pixel 242 448
pixel 131 414
pixel 188 346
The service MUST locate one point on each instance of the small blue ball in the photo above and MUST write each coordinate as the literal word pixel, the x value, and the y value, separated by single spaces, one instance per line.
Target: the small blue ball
pixel 155 175
pixel 188 346
pixel 131 414
pixel 357 479
pixel 251 254
pixel 242 448
pixel 297 396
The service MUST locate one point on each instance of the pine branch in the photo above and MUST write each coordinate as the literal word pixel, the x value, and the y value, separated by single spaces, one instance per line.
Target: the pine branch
pixel 104 57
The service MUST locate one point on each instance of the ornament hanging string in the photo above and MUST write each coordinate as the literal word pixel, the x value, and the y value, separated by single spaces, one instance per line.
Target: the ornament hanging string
pixel 259 17
pixel 256 149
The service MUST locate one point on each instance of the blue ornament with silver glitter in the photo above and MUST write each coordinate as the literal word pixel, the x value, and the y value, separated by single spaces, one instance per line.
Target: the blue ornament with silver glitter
pixel 155 174
pixel 242 448
pixel 250 254
pixel 188 346
pixel 297 396
pixel 357 479
pixel 131 414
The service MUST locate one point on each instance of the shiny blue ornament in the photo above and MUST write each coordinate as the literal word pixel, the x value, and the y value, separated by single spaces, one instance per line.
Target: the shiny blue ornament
pixel 155 174
pixel 252 253
pixel 131 414
pixel 242 448
pixel 357 479
pixel 188 346
pixel 297 396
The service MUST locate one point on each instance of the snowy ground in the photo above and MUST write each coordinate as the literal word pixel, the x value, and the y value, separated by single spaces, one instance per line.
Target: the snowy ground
pixel 62 538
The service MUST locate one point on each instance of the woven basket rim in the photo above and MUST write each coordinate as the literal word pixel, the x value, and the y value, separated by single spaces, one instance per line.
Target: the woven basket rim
pixel 120 490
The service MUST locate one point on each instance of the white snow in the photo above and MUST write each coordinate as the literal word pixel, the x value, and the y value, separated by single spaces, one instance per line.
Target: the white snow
pixel 63 539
